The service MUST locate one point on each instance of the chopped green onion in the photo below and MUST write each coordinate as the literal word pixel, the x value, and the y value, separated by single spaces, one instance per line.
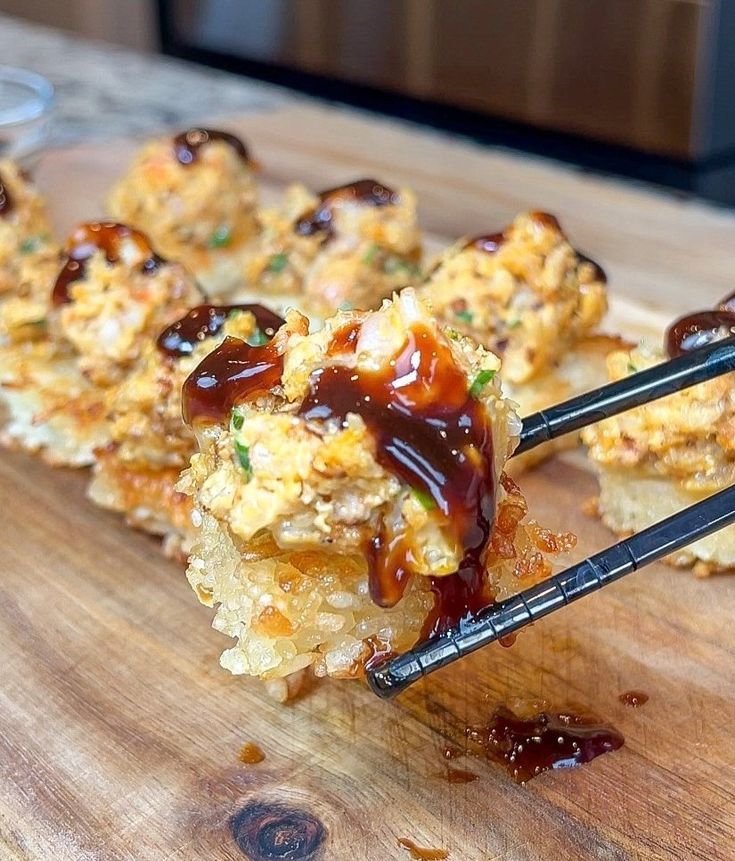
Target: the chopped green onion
pixel 237 420
pixel 465 315
pixel 33 243
pixel 452 334
pixel 243 455
pixel 632 368
pixel 426 499
pixel 479 382
pixel 370 254
pixel 396 264
pixel 257 339
pixel 278 262
pixel 221 237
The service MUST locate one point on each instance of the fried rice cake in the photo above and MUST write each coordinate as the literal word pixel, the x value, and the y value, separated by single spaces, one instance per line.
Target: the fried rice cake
pixel 350 490
pixel 111 295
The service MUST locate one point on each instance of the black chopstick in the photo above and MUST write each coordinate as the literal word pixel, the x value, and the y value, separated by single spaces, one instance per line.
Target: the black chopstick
pixel 702 364
pixel 499 620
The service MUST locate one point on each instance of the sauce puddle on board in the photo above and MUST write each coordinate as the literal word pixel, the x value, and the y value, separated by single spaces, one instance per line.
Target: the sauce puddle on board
pixel 634 699
pixel 530 745
pixel 250 753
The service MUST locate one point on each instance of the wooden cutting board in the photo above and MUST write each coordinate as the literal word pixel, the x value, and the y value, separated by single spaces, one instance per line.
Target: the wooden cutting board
pixel 120 734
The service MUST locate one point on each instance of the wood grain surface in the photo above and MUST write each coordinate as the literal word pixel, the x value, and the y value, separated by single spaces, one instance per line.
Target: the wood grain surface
pixel 120 734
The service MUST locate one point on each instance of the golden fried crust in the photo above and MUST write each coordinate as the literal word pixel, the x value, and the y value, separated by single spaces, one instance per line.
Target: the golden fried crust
pixel 528 300
pixel 52 408
pixel 147 497
pixel 369 253
pixel 201 214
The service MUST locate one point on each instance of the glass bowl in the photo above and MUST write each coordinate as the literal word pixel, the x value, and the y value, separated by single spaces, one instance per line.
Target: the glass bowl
pixel 26 105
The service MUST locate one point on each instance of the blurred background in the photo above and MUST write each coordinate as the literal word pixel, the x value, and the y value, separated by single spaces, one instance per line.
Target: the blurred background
pixel 642 88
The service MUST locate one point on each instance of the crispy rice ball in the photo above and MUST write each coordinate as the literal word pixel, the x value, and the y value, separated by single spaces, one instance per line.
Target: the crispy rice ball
pixel 110 298
pixel 25 229
pixel 348 247
pixel 289 501
pixel 149 444
pixel 524 293
pixel 657 459
pixel 195 195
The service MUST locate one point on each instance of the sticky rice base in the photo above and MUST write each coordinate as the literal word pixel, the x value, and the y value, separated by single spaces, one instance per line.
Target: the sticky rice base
pixel 582 369
pixel 50 408
pixel 631 500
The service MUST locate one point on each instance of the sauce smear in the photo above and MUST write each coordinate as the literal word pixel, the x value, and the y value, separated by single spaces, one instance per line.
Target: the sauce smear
pixel 106 236
pixel 528 746
pixel 188 143
pixel 204 321
pixel 459 775
pixel 436 438
pixel 367 191
pixel 419 853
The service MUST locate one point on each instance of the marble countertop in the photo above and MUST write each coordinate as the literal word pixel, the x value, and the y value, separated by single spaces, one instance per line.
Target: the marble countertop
pixel 103 91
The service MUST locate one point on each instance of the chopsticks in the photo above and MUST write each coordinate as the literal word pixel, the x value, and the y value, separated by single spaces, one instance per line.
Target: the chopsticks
pixel 655 542
pixel 667 378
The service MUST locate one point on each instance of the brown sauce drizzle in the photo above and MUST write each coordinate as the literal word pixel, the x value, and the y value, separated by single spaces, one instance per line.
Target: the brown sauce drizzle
pixel 491 242
pixel 487 242
pixel 600 274
pixel 250 753
pixel 188 143
pixel 379 653
pixel 634 699
pixel 106 236
pixel 233 373
pixel 547 740
pixel 204 321
pixel 435 437
pixel 367 191
pixel 420 853
pixel 696 330
pixel 546 219
pixel 7 204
